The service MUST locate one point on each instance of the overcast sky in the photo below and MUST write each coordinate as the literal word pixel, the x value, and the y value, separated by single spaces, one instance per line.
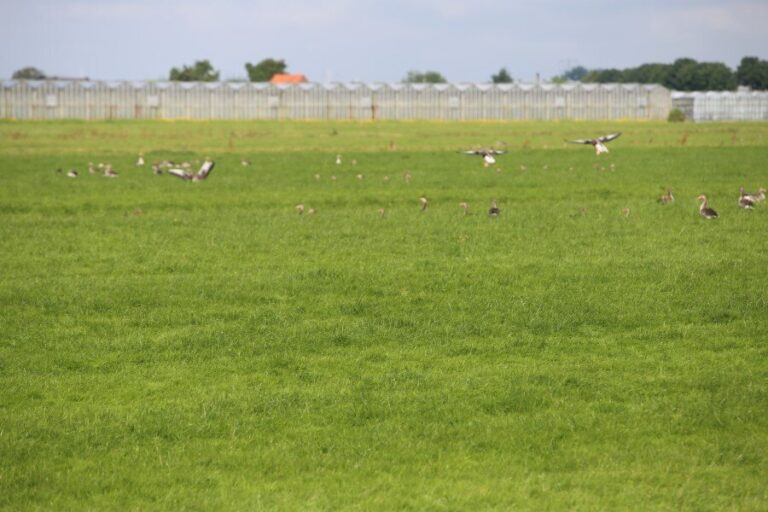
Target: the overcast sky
pixel 343 40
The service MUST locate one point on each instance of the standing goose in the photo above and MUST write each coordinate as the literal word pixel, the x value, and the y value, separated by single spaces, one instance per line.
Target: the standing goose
pixel 494 211
pixel 667 198
pixel 464 206
pixel 487 155
pixel 109 172
pixel 746 201
pixel 424 203
pixel 704 210
pixel 140 160
pixel 598 143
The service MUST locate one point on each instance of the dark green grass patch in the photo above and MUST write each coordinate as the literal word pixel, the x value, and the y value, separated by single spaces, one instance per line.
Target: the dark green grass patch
pixel 169 345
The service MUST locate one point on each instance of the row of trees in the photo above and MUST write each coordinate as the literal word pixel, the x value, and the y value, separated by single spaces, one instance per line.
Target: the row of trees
pixel 202 71
pixel 682 75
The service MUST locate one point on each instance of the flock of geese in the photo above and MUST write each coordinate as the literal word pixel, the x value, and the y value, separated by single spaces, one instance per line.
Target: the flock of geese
pixel 747 200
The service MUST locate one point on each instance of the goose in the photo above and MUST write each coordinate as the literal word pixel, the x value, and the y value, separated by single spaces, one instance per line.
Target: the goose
pixel 625 212
pixel 494 211
pixel 745 200
pixel 667 198
pixel 72 173
pixel 91 170
pixel 382 211
pixel 299 208
pixel 464 206
pixel 200 175
pixel 704 210
pixel 756 197
pixel 140 160
pixel 487 155
pixel 245 163
pixel 338 159
pixel 598 143
pixel 109 172
pixel 156 170
pixel 311 211
pixel 424 203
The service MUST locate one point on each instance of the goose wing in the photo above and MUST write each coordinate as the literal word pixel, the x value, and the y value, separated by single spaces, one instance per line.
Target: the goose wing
pixel 180 173
pixel 579 141
pixel 206 169
pixel 609 137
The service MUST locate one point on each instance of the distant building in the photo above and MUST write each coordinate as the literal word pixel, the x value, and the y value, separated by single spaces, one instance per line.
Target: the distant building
pixel 283 78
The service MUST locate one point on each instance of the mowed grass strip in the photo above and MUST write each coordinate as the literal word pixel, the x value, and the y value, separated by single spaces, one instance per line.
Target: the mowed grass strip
pixel 170 345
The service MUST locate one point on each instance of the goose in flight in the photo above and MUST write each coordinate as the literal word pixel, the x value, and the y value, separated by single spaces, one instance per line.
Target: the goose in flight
pixel 598 143
pixel 200 175
pixel 487 154
pixel 704 210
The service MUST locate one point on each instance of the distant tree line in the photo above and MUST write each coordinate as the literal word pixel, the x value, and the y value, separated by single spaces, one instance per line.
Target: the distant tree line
pixel 682 75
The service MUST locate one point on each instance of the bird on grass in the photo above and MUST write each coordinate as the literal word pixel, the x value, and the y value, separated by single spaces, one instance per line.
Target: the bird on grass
pixel 200 175
pixel 464 206
pixel 140 160
pixel 299 208
pixel 625 212
pixel 156 170
pixel 598 143
pixel 745 200
pixel 72 173
pixel 245 163
pixel 91 170
pixel 667 198
pixel 424 203
pixel 338 159
pixel 704 209
pixel 382 212
pixel 494 211
pixel 487 154
pixel 756 197
pixel 109 172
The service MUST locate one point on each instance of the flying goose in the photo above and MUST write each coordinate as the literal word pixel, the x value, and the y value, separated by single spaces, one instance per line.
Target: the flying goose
pixel 200 175
pixel 745 200
pixel 598 143
pixel 487 155
pixel 667 198
pixel 494 211
pixel 704 210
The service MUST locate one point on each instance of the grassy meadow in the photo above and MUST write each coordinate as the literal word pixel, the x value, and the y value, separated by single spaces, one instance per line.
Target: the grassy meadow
pixel 167 345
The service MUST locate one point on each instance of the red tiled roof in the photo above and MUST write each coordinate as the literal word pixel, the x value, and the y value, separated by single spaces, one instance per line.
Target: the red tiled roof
pixel 288 79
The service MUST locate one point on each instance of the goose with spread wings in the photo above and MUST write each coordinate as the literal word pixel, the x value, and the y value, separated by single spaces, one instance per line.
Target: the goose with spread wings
pixel 202 174
pixel 598 143
pixel 487 154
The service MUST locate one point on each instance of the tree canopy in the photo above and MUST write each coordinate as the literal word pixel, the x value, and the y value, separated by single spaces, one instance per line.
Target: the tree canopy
pixel 200 71
pixel 753 73
pixel 28 73
pixel 265 70
pixel 502 77
pixel 683 75
pixel 427 77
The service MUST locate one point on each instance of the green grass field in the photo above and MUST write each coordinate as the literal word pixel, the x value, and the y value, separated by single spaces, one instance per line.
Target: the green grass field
pixel 200 346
